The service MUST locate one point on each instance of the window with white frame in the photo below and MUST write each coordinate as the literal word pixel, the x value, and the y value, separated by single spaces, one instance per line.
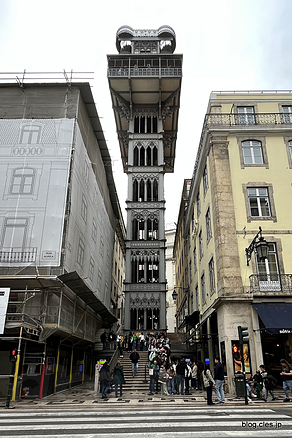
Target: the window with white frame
pixel 246 115
pixel 201 249
pixel 268 270
pixel 259 203
pixel 205 180
pixel 252 152
pixel 212 274
pixel 287 110
pixel 22 181
pixel 208 224
pixel 203 288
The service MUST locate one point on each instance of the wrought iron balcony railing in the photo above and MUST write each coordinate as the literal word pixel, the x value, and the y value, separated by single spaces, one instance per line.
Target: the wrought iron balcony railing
pixel 248 119
pixel 270 283
pixel 226 121
pixel 145 71
pixel 18 255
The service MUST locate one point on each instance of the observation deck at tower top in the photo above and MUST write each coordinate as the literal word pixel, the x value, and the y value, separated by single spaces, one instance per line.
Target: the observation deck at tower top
pixel 144 76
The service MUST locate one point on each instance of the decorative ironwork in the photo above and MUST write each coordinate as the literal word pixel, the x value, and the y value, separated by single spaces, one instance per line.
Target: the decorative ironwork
pixel 228 120
pixel 270 283
pixel 145 254
pixel 144 71
pixel 168 139
pixel 146 301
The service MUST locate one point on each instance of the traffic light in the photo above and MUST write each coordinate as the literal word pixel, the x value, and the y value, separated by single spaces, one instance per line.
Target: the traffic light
pixel 243 335
pixel 13 355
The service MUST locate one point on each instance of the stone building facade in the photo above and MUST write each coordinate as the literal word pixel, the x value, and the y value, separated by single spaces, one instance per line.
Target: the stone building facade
pixel 241 181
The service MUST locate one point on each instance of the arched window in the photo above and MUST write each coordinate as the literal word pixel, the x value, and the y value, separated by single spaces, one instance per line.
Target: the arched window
pixel 252 152
pixel 155 190
pixel 153 271
pixel 136 156
pixel 135 190
pixel 133 316
pixel 152 229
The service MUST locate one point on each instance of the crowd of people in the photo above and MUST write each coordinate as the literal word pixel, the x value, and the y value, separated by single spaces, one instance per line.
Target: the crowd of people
pixel 180 376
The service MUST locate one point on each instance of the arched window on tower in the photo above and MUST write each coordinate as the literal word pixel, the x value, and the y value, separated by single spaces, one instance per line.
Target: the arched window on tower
pixel 135 190
pixel 155 190
pixel 136 156
pixel 153 271
pixel 152 229
pixel 133 316
pixel 142 190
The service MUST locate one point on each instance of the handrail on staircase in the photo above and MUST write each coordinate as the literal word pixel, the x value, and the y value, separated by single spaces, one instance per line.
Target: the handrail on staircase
pixel 145 379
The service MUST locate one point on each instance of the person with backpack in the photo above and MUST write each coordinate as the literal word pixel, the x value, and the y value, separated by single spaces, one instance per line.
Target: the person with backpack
pixel 270 383
pixel 287 378
pixel 105 379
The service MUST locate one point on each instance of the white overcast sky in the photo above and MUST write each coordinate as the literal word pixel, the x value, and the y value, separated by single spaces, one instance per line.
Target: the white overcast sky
pixel 227 45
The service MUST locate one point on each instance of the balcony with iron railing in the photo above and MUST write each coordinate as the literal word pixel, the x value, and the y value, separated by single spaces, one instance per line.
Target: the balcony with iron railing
pixel 231 119
pixel 145 71
pixel 244 121
pixel 263 284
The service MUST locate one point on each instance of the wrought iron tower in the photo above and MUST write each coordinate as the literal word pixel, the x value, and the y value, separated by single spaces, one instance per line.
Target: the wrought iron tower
pixel 145 83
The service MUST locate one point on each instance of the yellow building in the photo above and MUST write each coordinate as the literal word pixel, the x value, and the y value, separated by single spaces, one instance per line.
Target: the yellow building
pixel 242 181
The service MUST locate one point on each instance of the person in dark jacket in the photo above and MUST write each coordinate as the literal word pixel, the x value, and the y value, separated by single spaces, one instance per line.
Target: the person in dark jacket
pixel 134 356
pixel 180 375
pixel 219 380
pixel 118 379
pixel 105 379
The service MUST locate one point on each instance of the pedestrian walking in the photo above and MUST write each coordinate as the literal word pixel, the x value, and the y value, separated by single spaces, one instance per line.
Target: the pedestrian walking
pixel 153 370
pixel 134 356
pixel 269 381
pixel 105 379
pixel 287 378
pixel 208 382
pixel 142 340
pixel 162 378
pixel 188 376
pixel 171 376
pixel 219 381
pixel 195 376
pixel 118 378
pixel 180 375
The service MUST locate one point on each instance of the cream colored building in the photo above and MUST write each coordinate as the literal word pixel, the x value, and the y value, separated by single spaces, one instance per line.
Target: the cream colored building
pixel 118 276
pixel 170 278
pixel 241 181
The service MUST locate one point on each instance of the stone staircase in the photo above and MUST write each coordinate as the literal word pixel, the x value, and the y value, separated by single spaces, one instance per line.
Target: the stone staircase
pixel 135 384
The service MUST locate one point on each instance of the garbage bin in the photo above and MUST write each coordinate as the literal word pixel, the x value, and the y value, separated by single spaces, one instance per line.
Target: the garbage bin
pixel 239 385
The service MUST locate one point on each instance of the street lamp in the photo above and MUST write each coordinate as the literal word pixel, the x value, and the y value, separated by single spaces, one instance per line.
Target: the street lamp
pixel 175 294
pixel 260 245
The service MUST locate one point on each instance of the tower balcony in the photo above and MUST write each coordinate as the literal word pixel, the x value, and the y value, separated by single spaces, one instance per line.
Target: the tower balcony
pixel 144 71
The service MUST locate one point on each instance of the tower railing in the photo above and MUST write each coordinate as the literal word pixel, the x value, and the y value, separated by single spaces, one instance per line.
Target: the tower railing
pixel 144 71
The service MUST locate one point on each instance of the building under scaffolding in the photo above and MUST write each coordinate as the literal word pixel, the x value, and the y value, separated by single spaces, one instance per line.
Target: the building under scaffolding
pixel 58 218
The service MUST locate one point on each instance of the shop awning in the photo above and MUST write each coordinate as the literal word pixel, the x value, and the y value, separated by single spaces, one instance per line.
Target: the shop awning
pixel 277 317
pixel 197 328
pixel 190 320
